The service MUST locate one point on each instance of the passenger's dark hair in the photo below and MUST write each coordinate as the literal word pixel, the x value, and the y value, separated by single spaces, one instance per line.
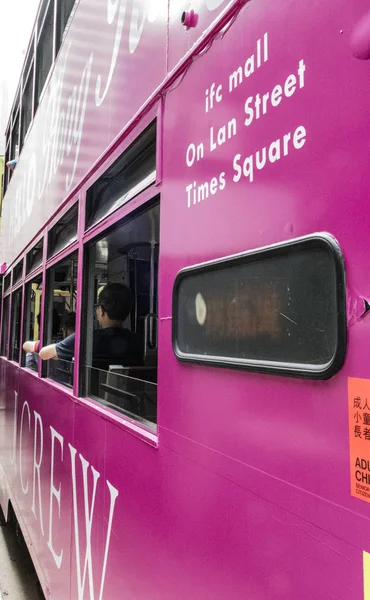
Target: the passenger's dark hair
pixel 70 321
pixel 116 300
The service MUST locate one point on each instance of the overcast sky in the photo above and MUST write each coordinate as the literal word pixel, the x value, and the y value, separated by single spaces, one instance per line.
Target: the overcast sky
pixel 16 21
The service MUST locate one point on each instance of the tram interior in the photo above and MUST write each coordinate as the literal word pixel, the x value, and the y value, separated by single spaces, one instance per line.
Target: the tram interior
pixel 128 255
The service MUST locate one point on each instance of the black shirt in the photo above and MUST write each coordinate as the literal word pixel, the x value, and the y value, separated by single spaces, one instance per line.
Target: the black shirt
pixel 115 344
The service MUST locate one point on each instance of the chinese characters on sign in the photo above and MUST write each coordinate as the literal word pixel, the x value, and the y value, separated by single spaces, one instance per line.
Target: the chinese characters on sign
pixel 359 436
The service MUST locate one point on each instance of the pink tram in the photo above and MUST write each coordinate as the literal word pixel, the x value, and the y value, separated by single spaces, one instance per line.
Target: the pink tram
pixel 214 157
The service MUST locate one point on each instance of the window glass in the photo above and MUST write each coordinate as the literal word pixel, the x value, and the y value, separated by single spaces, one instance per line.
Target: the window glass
pixel 16 326
pixel 31 331
pixel 120 295
pixel 5 326
pixel 44 51
pixel 7 281
pixel 278 309
pixel 41 15
pixel 6 170
pixel 61 305
pixel 129 175
pixel 14 149
pixel 64 232
pixel 17 272
pixel 64 9
pixel 30 56
pixel 27 105
pixel 34 257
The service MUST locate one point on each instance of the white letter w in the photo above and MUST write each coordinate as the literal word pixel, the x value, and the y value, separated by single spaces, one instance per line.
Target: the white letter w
pixel 89 515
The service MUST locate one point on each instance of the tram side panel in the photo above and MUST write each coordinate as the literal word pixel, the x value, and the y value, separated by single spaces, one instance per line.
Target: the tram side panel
pixel 276 149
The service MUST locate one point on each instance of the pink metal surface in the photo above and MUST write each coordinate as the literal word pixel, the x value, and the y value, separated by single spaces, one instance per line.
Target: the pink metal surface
pixel 246 493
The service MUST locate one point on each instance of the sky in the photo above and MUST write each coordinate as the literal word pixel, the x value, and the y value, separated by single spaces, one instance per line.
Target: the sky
pixel 16 21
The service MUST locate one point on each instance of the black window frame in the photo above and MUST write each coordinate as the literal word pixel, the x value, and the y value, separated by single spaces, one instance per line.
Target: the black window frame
pixel 306 371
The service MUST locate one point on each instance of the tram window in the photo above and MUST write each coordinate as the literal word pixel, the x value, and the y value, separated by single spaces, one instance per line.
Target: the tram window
pixel 60 301
pixel 129 175
pixel 44 49
pixel 7 282
pixel 17 272
pixel 30 55
pixel 14 144
pixel 64 10
pixel 31 328
pixel 120 367
pixel 41 15
pixel 5 326
pixel 64 232
pixel 27 104
pixel 7 158
pixel 16 325
pixel 34 257
pixel 281 309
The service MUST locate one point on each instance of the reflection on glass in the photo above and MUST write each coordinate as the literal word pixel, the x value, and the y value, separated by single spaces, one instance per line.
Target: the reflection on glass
pixel 4 331
pixel 32 321
pixel 118 372
pixel 131 390
pixel 62 281
pixel 16 325
pixel 280 308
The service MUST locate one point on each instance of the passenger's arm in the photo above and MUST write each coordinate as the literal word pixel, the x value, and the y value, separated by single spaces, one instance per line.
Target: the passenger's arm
pixel 63 350
pixel 48 352
pixel 29 346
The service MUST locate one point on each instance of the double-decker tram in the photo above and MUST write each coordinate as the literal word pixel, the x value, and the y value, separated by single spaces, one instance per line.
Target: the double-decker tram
pixel 184 370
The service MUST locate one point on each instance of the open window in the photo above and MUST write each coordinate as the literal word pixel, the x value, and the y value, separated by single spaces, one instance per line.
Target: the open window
pixel 60 306
pixel 32 313
pixel 120 295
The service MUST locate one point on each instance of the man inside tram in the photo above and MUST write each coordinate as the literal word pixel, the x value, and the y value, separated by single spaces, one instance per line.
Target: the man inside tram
pixel 112 342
